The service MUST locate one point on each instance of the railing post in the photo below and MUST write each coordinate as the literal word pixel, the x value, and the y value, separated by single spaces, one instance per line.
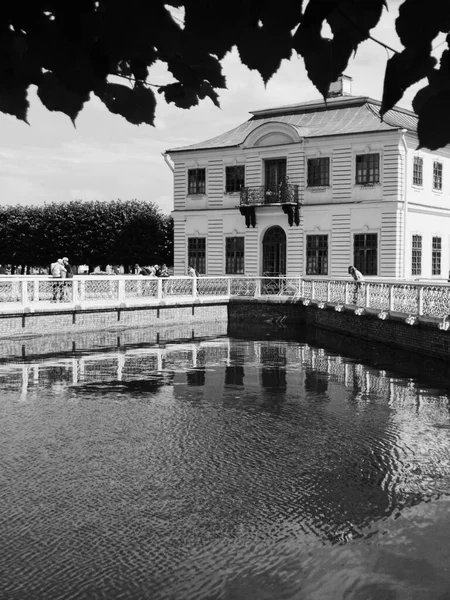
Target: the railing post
pixel 420 301
pixel 36 290
pixel 74 291
pixel 194 287
pixel 258 287
pixel 159 289
pixel 346 293
pixel 83 290
pixel 24 292
pixel 300 287
pixel 367 295
pixel 328 290
pixel 121 291
pixel 229 287
pixel 391 296
pixel 313 289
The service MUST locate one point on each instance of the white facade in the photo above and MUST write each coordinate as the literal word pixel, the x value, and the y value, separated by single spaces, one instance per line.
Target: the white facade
pixel 361 199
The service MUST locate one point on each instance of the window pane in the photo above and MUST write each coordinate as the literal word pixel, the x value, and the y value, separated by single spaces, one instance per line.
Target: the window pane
pixel 234 255
pixel 234 178
pixel 416 258
pixel 365 253
pixel 197 254
pixel 196 181
pixel 418 171
pixel 318 171
pixel 436 256
pixel 367 168
pixel 317 255
pixel 437 176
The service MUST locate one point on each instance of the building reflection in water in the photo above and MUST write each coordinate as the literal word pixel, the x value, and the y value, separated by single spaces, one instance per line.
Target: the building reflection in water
pixel 350 481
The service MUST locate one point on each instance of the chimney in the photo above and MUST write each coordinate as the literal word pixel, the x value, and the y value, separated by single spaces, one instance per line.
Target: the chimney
pixel 341 87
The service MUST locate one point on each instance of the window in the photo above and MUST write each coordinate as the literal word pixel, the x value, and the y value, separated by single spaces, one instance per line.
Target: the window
pixel 196 181
pixel 234 178
pixel 367 169
pixel 197 254
pixel 318 172
pixel 416 259
pixel 317 255
pixel 418 171
pixel 437 175
pixel 365 253
pixel 234 255
pixel 436 256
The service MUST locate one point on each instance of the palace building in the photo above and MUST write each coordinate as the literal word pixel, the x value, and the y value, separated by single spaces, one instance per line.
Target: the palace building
pixel 308 189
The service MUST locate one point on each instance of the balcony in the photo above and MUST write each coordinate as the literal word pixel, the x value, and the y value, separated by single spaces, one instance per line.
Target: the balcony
pixel 287 193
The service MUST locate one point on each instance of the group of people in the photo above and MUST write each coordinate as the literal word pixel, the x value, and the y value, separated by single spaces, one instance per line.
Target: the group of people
pixel 60 269
pixel 152 270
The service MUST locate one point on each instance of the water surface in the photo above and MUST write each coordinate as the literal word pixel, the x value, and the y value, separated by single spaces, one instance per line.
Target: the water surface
pixel 282 465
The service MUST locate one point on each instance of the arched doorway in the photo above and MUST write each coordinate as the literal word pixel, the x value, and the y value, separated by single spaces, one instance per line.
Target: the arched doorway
pixel 274 252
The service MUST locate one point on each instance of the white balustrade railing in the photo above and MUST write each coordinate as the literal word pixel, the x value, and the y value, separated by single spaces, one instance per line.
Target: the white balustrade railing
pixel 414 299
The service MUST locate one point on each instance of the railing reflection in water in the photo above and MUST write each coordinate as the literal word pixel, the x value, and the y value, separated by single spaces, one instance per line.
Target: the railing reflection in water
pixel 278 362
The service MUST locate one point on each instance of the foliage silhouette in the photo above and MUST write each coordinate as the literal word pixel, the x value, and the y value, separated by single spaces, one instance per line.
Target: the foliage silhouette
pixel 76 48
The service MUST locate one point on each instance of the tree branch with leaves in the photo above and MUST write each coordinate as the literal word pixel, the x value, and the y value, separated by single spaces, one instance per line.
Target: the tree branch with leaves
pixel 76 48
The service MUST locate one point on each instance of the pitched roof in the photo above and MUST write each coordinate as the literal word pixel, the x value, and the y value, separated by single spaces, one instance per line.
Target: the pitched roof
pixel 339 116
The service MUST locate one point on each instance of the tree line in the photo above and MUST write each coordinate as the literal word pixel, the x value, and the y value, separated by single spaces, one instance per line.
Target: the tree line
pixel 94 233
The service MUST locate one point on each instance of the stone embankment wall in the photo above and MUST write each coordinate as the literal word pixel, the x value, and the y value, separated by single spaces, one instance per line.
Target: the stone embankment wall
pixel 73 321
pixel 424 337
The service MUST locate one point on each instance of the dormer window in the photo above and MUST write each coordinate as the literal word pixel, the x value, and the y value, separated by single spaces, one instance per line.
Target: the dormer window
pixel 367 169
pixel 196 181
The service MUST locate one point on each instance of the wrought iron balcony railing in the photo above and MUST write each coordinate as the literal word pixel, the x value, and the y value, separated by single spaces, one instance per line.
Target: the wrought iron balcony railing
pixel 287 193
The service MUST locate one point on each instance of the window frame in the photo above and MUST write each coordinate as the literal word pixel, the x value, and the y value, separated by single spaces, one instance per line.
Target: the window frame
pixel 417 171
pixel 363 264
pixel 416 254
pixel 438 178
pixel 199 189
pixel 236 259
pixel 197 256
pixel 436 256
pixel 237 182
pixel 368 179
pixel 317 254
pixel 316 176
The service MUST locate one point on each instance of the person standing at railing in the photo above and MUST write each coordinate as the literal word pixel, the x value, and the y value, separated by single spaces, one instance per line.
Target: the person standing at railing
pixel 359 280
pixel 67 294
pixel 58 271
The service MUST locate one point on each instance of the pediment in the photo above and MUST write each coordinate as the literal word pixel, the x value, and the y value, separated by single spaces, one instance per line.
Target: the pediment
pixel 274 133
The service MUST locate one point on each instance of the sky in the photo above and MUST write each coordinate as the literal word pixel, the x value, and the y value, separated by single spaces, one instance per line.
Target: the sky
pixel 106 158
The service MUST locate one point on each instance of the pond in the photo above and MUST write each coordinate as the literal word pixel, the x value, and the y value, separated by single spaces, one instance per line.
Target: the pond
pixel 247 464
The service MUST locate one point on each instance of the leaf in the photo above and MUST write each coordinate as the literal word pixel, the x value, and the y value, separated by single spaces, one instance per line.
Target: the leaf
pixel 56 97
pixel 350 22
pixel 13 101
pixel 136 105
pixel 263 48
pixel 418 24
pixel 181 95
pixel 402 71
pixel 434 121
pixel 206 89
